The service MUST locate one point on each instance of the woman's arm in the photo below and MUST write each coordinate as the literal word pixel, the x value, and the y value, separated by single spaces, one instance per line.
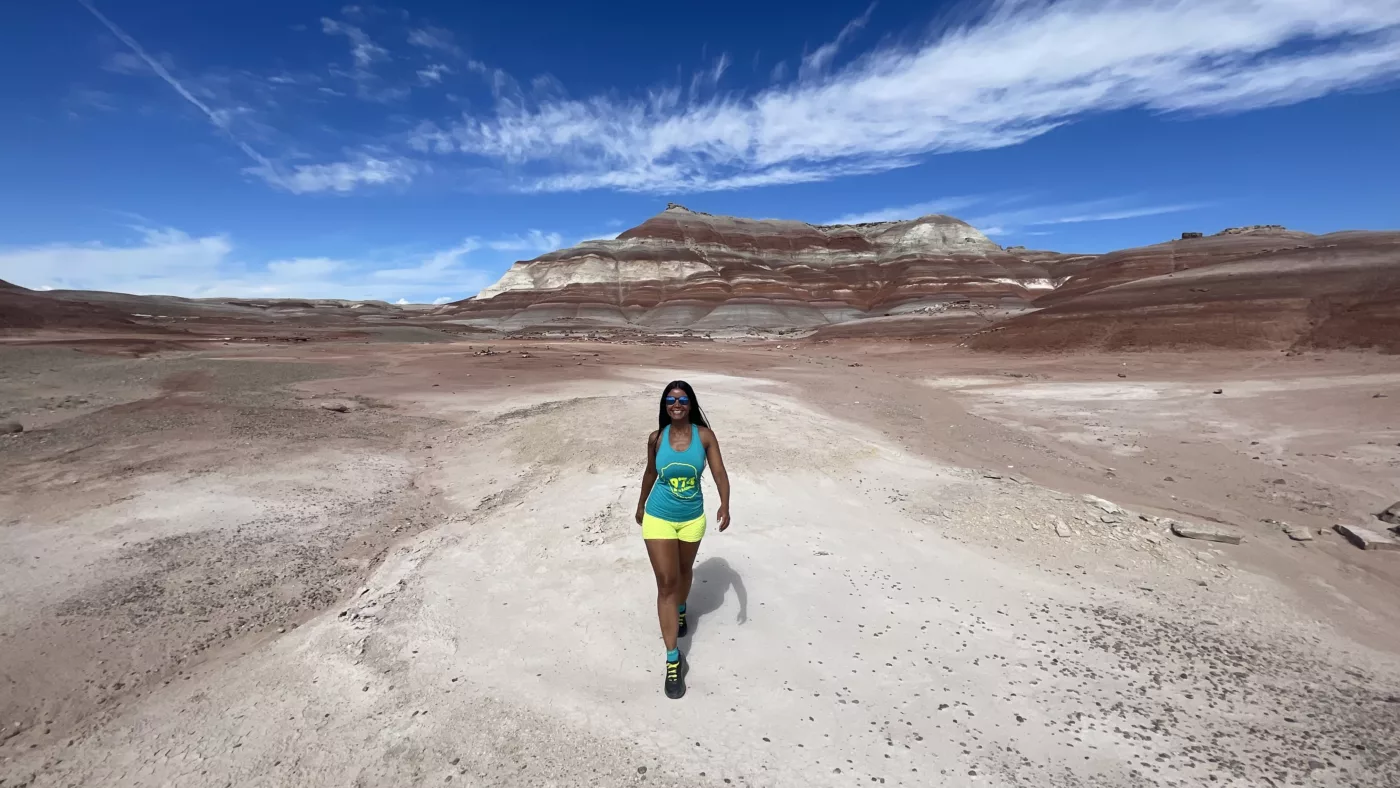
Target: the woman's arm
pixel 716 461
pixel 649 475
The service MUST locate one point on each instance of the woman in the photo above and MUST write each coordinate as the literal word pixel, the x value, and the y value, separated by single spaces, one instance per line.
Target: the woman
pixel 672 513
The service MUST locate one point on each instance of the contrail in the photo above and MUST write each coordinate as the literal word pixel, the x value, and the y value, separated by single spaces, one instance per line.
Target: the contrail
pixel 214 117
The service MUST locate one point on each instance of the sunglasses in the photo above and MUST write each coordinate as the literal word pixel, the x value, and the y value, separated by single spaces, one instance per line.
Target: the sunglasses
pixel 673 400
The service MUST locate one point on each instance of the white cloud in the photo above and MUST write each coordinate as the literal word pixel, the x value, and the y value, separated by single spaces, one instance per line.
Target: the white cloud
pixel 1107 210
pixel 914 211
pixel 341 176
pixel 172 262
pixel 440 300
pixel 362 48
pixel 1001 215
pixel 1022 69
pixel 533 241
pixel 336 176
pixel 434 38
pixel 814 63
pixel 433 73
pixel 606 235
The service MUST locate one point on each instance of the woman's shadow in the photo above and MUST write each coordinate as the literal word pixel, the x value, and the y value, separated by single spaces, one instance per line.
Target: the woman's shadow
pixel 711 583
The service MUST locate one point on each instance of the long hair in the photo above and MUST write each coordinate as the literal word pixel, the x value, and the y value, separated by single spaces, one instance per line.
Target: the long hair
pixel 697 416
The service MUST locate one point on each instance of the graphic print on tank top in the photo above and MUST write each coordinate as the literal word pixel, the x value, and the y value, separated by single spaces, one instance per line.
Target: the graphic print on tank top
pixel 676 496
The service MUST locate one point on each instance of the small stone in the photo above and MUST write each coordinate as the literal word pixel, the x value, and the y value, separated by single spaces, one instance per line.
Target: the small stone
pixel 1188 531
pixel 11 428
pixel 1108 506
pixel 337 406
pixel 641 770
pixel 1391 514
pixel 1367 539
pixel 1298 533
pixel 1062 530
pixel 990 475
pixel 1122 375
pixel 1218 391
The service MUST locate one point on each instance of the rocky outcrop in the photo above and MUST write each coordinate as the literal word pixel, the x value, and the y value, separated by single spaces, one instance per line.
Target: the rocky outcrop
pixel 685 269
pixel 1260 287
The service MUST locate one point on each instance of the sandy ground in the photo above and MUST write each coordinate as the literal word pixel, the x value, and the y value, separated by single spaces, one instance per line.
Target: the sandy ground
pixel 212 580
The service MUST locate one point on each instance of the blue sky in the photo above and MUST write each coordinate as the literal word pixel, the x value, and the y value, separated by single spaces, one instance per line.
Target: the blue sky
pixel 414 150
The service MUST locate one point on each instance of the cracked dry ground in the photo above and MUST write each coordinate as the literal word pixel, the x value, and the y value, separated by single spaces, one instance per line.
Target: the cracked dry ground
pixel 212 581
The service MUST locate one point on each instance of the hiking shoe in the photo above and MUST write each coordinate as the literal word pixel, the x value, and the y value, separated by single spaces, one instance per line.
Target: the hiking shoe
pixel 675 678
pixel 680 633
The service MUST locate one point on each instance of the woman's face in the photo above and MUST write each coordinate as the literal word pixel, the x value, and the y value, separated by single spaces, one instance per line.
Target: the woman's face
pixel 677 404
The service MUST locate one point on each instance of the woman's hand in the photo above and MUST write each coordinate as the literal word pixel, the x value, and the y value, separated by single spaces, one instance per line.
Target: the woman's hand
pixel 640 511
pixel 723 516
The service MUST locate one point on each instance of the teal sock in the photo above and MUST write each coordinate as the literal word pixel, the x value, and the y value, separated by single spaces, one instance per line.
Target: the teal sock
pixel 681 609
pixel 674 655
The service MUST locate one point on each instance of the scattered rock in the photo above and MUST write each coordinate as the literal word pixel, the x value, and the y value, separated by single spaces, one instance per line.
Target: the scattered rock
pixel 1122 374
pixel 1366 539
pixel 1062 530
pixel 339 406
pixel 11 428
pixel 990 475
pixel 1108 506
pixel 1218 391
pixel 1391 514
pixel 1298 533
pixel 1189 531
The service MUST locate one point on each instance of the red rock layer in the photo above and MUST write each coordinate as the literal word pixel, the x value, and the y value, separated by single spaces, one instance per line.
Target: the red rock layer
pixel 1259 290
pixel 687 269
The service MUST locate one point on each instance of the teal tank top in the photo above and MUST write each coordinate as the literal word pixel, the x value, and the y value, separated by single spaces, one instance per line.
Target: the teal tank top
pixel 676 494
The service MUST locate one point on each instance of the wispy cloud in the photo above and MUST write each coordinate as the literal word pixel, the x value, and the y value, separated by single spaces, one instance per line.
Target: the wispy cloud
pixel 220 120
pixel 434 38
pixel 341 176
pixel 1001 222
pixel 532 241
pixel 815 62
pixel 362 169
pixel 1008 214
pixel 1021 69
pixel 165 261
pixel 362 48
pixel 433 73
pixel 914 211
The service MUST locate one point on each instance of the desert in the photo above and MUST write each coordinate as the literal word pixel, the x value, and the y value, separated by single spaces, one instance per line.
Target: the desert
pixel 1000 517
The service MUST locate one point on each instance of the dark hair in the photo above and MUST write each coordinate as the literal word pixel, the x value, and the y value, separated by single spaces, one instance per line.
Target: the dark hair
pixel 697 416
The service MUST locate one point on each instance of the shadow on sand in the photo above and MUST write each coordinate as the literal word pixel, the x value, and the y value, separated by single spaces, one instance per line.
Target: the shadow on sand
pixel 713 579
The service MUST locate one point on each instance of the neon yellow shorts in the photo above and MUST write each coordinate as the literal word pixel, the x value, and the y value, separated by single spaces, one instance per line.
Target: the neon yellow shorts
pixel 657 528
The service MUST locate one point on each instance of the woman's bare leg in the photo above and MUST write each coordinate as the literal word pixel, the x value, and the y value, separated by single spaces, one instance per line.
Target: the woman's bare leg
pixel 666 565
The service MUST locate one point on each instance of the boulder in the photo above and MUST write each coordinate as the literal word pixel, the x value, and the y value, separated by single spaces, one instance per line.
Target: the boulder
pixel 1366 539
pixel 11 428
pixel 1391 514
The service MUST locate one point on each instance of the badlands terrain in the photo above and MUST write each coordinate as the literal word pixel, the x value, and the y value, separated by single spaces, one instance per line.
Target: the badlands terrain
pixel 347 543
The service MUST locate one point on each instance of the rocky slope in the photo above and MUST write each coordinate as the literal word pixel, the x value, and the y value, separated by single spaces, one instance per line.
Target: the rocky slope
pixel 683 269
pixel 1263 288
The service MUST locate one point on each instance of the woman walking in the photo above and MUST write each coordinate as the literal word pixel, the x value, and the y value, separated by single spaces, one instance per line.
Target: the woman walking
pixel 672 513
